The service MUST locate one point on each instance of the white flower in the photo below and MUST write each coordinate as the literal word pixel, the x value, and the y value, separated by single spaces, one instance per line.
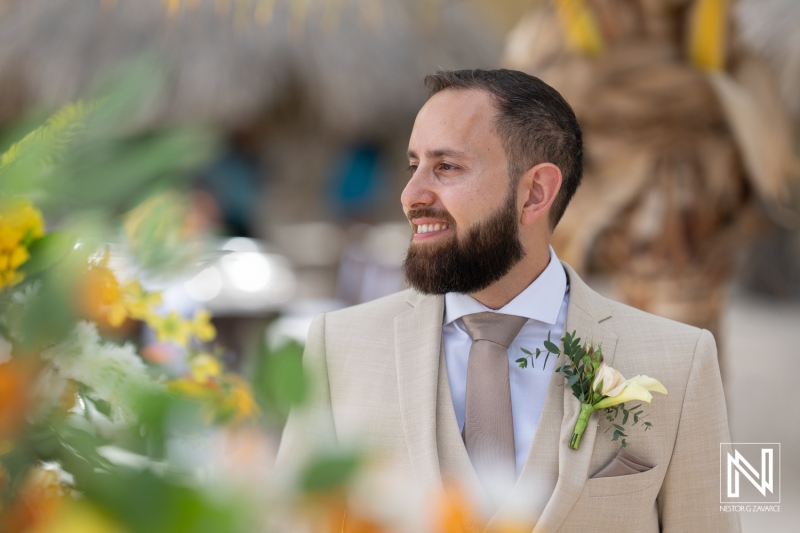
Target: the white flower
pixel 636 388
pixel 608 381
pixel 113 373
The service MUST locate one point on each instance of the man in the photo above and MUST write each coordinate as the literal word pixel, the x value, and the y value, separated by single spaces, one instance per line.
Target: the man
pixel 494 158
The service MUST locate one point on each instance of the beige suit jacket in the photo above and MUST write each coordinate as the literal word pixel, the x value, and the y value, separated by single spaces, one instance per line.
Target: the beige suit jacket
pixel 381 381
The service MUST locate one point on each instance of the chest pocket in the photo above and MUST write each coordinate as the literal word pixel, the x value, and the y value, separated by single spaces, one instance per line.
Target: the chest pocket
pixel 616 485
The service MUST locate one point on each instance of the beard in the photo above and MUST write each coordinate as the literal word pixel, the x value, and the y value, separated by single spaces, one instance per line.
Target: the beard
pixel 466 265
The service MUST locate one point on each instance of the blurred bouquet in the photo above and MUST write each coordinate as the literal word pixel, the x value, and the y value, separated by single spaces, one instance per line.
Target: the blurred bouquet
pixel 86 425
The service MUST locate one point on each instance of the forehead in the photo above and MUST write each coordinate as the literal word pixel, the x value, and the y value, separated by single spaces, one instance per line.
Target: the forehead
pixel 456 118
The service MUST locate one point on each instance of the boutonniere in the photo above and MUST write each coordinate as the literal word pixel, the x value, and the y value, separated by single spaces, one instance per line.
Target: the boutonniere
pixel 598 386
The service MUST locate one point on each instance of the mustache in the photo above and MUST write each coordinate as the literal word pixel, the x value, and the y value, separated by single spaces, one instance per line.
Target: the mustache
pixel 430 212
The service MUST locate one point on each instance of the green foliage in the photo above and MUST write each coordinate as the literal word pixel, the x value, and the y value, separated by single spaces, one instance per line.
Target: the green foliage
pixel 83 166
pixel 280 380
pixel 50 314
pixel 612 413
pixel 162 504
pixel 329 471
pixel 91 156
pixel 523 361
pixel 48 250
pixel 49 142
pixel 579 369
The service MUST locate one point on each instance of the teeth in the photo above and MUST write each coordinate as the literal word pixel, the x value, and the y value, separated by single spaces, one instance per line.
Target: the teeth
pixel 427 228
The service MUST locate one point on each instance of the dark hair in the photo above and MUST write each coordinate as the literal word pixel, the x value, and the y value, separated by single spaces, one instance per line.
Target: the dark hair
pixel 534 122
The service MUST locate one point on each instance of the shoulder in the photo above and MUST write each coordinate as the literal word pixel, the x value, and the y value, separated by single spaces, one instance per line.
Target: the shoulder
pixel 638 325
pixel 391 305
pixel 632 326
pixel 647 344
pixel 373 316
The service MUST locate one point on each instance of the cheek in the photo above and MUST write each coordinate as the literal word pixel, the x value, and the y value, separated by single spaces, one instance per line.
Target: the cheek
pixel 475 202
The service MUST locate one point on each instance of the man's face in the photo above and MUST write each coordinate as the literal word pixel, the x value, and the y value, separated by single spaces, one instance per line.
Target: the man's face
pixel 460 203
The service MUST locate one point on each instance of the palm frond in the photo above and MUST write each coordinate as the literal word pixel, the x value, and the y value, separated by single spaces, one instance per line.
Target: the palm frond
pixel 51 140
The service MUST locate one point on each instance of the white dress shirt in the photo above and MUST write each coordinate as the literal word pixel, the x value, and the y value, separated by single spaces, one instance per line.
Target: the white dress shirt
pixel 544 304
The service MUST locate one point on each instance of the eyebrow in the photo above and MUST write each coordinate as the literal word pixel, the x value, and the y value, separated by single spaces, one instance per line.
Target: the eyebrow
pixel 449 152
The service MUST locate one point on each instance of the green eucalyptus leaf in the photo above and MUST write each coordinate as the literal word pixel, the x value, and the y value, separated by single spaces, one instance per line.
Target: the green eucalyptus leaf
pixel 47 251
pixel 552 348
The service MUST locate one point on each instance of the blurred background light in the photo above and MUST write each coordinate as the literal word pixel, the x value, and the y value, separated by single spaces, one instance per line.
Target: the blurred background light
pixel 205 286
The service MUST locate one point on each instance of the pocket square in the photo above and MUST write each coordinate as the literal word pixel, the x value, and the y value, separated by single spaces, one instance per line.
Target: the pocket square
pixel 623 464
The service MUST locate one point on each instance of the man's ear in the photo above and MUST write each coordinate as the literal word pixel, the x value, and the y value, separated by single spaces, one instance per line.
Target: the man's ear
pixel 538 188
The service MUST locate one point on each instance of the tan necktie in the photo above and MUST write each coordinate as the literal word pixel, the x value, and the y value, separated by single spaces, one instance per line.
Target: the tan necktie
pixel 488 425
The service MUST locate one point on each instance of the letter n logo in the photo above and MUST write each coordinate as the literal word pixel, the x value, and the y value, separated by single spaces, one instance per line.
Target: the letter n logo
pixel 738 464
pixel 747 472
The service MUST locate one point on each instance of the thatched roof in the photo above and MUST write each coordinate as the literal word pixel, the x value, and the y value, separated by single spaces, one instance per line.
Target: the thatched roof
pixel 359 64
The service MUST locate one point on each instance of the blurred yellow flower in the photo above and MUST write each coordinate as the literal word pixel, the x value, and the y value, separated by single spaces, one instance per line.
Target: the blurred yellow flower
pixel 178 330
pixel 226 396
pixel 20 223
pixel 204 367
pixel 188 387
pixel 240 398
pixel 172 328
pixel 140 303
pixel 107 301
pixel 201 326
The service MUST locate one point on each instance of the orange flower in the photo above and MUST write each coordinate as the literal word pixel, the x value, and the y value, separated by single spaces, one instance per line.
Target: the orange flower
pixel 102 297
pixel 226 396
pixel 36 502
pixel 453 513
pixel 16 382
pixel 109 303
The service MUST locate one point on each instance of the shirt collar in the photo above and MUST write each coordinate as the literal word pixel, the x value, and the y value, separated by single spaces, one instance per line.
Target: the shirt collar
pixel 541 300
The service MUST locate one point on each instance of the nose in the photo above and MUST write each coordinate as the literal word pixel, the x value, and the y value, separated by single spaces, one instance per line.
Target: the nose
pixel 417 192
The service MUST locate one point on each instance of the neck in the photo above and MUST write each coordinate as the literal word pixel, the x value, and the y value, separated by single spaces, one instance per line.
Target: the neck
pixel 518 278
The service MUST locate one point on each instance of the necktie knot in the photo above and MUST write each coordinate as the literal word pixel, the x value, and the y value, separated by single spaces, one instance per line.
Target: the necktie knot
pixel 494 327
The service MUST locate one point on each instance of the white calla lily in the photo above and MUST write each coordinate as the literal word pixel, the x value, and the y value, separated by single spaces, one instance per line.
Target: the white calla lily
pixel 651 384
pixel 636 388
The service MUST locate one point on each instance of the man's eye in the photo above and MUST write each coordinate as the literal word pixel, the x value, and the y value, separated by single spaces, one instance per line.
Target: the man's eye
pixel 447 166
pixel 411 169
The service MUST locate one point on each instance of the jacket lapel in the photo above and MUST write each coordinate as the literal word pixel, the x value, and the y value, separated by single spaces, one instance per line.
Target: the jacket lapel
pixel 587 310
pixel 554 474
pixel 418 339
